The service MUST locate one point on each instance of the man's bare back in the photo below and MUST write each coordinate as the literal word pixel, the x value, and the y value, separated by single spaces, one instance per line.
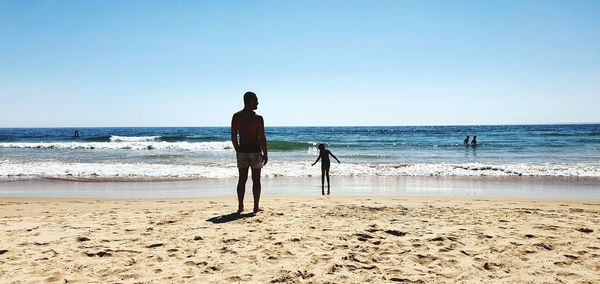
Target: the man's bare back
pixel 251 149
pixel 248 125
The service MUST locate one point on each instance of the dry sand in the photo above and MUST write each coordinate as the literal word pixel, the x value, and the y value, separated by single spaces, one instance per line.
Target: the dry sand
pixel 300 239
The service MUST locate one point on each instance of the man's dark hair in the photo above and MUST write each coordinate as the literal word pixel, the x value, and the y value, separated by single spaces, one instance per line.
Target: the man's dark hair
pixel 248 97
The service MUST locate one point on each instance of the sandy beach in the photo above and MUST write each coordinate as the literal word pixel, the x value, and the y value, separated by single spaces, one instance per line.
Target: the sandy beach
pixel 300 240
pixel 457 142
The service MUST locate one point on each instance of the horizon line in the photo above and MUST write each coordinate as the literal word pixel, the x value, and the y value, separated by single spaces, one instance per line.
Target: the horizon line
pixel 292 126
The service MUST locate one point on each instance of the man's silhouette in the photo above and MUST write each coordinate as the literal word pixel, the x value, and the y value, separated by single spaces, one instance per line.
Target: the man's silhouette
pixel 251 151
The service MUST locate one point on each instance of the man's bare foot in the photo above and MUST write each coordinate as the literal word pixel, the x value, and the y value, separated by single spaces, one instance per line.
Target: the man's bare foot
pixel 256 210
pixel 240 209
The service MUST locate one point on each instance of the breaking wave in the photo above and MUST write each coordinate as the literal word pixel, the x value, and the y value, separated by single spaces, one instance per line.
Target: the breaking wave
pixel 285 169
pixel 128 145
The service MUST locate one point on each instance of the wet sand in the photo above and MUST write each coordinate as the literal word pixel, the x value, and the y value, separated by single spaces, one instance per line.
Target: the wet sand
pixel 300 239
pixel 486 186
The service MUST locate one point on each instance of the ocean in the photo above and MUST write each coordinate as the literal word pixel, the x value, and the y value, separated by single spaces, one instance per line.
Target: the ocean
pixel 184 153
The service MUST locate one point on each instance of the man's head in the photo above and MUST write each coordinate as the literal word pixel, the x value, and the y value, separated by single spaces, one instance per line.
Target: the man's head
pixel 250 101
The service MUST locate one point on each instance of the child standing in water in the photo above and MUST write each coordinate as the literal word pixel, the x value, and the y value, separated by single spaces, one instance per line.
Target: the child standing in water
pixel 325 164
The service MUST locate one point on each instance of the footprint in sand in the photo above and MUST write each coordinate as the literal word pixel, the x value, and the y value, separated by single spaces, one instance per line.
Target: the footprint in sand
pixel 396 233
pixel 194 264
pixel 544 246
pixel 101 253
pixel 212 268
pixel 447 249
pixel 364 237
pixel 490 266
pixel 82 239
pixel 585 230
pixel 405 280
pixel 56 276
pixel 437 239
pixel 50 252
pixel 425 259
pixel 233 240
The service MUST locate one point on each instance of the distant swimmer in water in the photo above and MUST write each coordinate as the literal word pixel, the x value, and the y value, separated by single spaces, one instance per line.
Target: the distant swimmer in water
pixel 76 134
pixel 466 141
pixel 325 164
pixel 474 141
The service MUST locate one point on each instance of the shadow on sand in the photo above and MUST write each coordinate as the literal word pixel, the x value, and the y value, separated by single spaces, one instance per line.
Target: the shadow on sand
pixel 230 217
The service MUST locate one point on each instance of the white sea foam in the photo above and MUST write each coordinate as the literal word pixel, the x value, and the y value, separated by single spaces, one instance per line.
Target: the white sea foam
pixel 163 145
pixel 10 168
pixel 115 138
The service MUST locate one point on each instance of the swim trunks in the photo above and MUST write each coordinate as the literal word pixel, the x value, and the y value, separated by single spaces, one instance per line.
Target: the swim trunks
pixel 253 160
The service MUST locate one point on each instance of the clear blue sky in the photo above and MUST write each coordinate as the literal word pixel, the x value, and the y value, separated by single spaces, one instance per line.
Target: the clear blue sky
pixel 187 63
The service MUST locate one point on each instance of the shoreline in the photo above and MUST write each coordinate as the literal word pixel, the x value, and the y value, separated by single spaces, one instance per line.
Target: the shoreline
pixel 576 179
pixel 512 187
pixel 307 198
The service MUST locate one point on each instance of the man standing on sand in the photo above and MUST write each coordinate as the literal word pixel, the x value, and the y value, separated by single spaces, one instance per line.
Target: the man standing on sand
pixel 251 151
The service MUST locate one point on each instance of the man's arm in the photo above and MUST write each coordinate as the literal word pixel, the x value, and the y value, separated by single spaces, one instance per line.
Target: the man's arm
pixel 262 139
pixel 234 132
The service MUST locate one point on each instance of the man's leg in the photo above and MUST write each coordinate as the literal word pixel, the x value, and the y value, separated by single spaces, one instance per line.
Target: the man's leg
pixel 256 188
pixel 241 188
